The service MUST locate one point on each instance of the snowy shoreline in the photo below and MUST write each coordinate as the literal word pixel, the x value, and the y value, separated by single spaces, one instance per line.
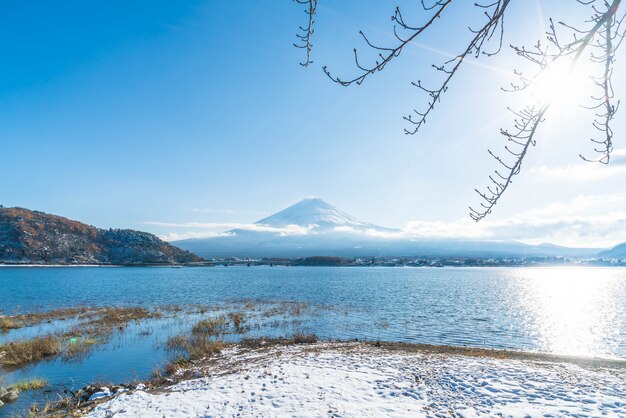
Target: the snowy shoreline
pixel 360 379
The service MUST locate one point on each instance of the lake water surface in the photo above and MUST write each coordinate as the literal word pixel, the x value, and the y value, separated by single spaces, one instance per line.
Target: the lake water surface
pixel 576 311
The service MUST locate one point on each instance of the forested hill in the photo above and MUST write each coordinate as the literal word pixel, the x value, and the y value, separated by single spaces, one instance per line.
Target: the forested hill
pixel 28 236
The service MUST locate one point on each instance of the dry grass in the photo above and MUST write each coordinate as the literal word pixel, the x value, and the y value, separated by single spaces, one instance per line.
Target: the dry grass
pixel 187 348
pixel 194 346
pixel 172 367
pixel 493 353
pixel 7 323
pixel 176 343
pixel 288 308
pixel 301 338
pixel 202 341
pixel 205 348
pixel 34 318
pixel 100 315
pixel 29 384
pixel 239 319
pixel 221 325
pixel 106 320
pixel 96 325
pixel 260 342
pixel 78 347
pixel 63 408
pixel 211 327
pixel 20 353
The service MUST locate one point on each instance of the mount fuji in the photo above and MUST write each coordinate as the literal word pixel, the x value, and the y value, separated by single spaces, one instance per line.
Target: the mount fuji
pixel 313 227
pixel 319 217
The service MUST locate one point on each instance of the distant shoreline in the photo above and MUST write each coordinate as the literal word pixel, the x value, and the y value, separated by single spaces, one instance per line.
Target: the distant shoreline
pixel 297 266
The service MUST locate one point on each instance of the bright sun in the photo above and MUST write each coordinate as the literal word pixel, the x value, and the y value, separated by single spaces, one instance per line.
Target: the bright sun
pixel 559 82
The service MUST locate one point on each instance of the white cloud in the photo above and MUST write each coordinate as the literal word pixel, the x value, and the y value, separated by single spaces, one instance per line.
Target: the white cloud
pixel 176 236
pixel 583 205
pixel 585 221
pixel 207 229
pixel 585 171
pixel 464 228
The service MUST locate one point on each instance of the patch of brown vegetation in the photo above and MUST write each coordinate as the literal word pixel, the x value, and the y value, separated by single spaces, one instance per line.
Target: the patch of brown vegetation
pixel 301 338
pixel 254 343
pixel 29 384
pixel 194 346
pixel 288 308
pixel 63 408
pixel 94 326
pixel 211 327
pixel 78 347
pixel 239 319
pixel 107 314
pixel 20 353
pixel 498 354
pixel 61 314
pixel 106 320
pixel 203 340
pixel 7 323
pixel 34 318
pixel 172 367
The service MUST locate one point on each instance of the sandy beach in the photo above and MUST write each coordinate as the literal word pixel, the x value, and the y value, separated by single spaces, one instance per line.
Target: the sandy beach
pixel 356 379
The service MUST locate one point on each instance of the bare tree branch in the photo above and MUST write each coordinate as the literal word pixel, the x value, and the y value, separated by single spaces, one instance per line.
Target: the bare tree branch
pixel 386 55
pixel 306 33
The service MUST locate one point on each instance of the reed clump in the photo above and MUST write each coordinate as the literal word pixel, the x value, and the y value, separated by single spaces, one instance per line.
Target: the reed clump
pixel 106 320
pixel 29 384
pixel 288 308
pixel 202 341
pixel 78 347
pixel 211 327
pixel 20 353
pixel 61 314
pixel 238 320
pixel 194 346
pixel 8 323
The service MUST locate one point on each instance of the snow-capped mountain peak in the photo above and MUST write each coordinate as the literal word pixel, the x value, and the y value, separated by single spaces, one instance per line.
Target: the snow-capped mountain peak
pixel 315 212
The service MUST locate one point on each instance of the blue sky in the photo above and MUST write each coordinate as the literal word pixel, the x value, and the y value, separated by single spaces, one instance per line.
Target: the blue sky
pixel 122 114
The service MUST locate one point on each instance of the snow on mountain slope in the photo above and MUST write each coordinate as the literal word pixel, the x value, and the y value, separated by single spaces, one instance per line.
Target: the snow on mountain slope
pixel 322 216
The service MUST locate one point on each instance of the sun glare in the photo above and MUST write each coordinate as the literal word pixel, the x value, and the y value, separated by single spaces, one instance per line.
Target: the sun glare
pixel 571 312
pixel 560 82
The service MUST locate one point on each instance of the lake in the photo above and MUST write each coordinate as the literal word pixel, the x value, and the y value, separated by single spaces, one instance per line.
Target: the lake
pixel 573 311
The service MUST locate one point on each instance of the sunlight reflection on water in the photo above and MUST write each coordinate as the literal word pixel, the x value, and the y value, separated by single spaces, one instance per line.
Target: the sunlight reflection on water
pixel 571 310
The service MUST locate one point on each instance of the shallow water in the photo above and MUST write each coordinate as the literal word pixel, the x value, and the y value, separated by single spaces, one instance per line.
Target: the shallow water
pixel 578 311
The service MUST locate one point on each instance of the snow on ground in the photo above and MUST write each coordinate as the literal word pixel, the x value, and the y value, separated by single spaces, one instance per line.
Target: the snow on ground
pixel 356 381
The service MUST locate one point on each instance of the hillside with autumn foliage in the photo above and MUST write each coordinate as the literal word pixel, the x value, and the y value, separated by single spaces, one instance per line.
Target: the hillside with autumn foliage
pixel 35 237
